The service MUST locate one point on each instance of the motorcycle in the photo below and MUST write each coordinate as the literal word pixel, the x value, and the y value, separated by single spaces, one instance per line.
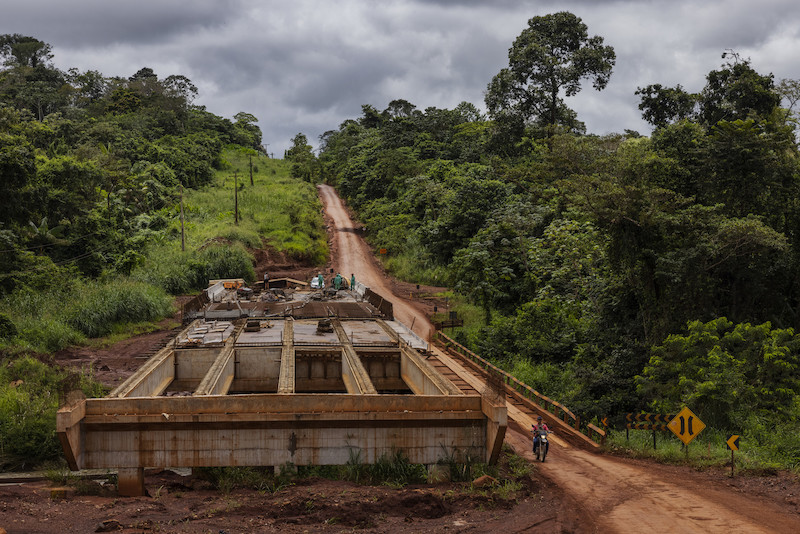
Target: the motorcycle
pixel 540 444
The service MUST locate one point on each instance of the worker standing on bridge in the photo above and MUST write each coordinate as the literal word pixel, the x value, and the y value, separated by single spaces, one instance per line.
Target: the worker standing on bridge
pixel 352 281
pixel 535 429
pixel 337 282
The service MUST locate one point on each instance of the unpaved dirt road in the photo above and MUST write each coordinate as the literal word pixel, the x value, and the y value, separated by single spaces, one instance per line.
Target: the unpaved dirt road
pixel 351 255
pixel 611 494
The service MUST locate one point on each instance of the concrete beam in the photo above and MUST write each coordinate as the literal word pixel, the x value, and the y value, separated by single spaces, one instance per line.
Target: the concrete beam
pixel 154 376
pixel 496 425
pixel 286 380
pixel 355 376
pixel 130 482
pixel 497 414
pixel 272 429
pixel 70 432
pixel 219 377
pixel 421 376
pixel 389 330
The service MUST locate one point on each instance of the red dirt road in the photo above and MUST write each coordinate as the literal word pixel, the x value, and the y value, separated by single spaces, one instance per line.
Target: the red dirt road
pixel 351 255
pixel 609 493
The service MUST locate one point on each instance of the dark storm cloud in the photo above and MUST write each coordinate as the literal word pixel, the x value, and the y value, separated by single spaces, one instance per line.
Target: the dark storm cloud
pixel 81 23
pixel 306 66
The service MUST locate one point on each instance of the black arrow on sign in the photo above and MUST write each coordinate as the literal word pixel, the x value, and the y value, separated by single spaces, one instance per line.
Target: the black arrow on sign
pixel 688 424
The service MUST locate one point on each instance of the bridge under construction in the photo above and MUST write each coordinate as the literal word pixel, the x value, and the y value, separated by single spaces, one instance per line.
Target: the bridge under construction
pixel 303 378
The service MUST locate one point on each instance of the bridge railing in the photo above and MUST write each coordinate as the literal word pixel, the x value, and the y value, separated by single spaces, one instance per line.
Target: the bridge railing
pixel 520 388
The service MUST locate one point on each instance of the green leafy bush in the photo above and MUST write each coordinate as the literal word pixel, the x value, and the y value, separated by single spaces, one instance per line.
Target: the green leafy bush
pixel 179 273
pixel 51 320
pixel 726 371
pixel 29 397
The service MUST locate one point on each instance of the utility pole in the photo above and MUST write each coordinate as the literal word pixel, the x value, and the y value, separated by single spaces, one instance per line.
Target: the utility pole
pixel 236 197
pixel 251 169
pixel 183 235
pixel 266 149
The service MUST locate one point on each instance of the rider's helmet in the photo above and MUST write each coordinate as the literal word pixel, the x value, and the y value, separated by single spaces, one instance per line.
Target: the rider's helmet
pixel 539 418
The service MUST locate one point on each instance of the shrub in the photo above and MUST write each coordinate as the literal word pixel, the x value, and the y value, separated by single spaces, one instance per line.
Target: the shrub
pixel 29 398
pixel 98 306
pixel 179 273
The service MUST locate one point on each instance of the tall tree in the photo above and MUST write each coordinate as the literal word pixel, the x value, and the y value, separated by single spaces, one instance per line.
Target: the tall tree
pixel 23 51
pixel 737 92
pixel 552 55
pixel 664 105
pixel 302 158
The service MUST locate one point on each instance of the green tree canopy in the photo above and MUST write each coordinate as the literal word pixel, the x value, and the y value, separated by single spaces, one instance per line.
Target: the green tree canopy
pixel 664 105
pixel 23 51
pixel 550 57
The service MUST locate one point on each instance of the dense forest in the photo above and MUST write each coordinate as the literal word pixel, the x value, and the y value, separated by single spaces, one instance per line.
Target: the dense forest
pixel 92 170
pixel 615 273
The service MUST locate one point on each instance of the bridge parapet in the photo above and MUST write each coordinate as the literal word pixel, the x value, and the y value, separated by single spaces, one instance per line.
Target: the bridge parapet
pixel 522 390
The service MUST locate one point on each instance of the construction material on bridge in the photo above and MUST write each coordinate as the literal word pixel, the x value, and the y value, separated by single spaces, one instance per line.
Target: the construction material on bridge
pixel 292 386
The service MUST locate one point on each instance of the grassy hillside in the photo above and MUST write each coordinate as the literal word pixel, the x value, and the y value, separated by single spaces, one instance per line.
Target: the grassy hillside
pixel 282 211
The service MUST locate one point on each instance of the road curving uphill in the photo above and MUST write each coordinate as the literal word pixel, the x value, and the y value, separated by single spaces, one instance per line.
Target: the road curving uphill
pixel 611 494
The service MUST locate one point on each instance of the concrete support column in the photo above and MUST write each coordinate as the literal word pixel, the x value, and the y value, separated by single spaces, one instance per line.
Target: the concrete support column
pixel 130 482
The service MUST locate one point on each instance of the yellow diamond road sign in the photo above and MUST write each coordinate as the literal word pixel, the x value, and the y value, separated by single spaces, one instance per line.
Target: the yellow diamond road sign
pixel 686 425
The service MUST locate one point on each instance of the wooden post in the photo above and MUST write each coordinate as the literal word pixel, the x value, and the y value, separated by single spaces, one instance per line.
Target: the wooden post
pixel 183 235
pixel 236 197
pixel 251 169
pixel 654 439
pixel 731 463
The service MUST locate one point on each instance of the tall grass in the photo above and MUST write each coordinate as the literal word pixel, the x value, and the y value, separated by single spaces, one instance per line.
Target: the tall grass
pixel 280 210
pixel 47 321
pixel 29 397
pixel 407 266
pixel 179 272
pixel 100 306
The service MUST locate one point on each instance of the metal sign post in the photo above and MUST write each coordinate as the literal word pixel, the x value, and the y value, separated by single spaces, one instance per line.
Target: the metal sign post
pixel 733 445
pixel 686 425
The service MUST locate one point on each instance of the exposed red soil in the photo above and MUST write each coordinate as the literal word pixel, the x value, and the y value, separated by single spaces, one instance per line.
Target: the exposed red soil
pixel 190 504
pixel 112 365
pixel 280 265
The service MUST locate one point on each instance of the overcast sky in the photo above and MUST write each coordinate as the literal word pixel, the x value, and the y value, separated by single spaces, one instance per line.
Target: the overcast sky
pixel 305 66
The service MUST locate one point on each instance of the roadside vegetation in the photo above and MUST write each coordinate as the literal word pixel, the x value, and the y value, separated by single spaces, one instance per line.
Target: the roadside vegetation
pixel 93 170
pixel 615 273
pixel 509 479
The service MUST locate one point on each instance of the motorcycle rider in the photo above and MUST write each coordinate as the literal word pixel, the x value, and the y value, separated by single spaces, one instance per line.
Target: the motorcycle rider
pixel 535 429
